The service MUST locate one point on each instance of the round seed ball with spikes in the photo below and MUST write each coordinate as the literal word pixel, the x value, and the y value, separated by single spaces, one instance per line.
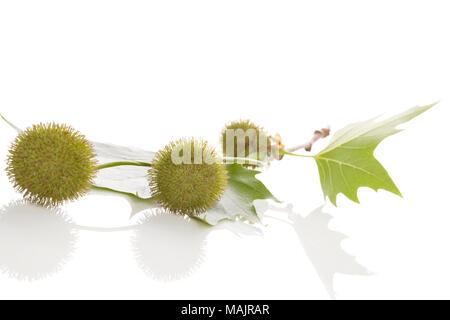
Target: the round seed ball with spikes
pixel 254 136
pixel 191 186
pixel 51 163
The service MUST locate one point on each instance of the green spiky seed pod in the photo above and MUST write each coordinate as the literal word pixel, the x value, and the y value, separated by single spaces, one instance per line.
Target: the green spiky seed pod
pixel 192 186
pixel 254 147
pixel 51 163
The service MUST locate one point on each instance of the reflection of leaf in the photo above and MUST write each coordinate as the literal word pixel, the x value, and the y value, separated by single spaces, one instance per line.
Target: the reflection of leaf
pixel 323 246
pixel 348 162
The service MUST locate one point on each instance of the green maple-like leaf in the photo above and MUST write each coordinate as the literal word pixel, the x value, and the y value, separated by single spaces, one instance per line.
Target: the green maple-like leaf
pixel 348 163
pixel 242 190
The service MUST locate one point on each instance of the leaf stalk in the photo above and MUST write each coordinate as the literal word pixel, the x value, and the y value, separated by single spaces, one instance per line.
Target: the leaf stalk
pixel 123 163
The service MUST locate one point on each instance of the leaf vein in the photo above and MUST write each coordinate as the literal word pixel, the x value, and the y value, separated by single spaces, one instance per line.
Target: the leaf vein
pixel 351 166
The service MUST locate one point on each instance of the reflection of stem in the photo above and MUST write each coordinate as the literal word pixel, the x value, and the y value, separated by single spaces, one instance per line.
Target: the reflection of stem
pixel 123 163
pixel 129 194
pixel 103 229
pixel 127 228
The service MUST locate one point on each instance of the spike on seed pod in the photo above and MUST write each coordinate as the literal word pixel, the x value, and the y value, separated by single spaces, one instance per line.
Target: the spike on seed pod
pixel 51 163
pixel 191 186
pixel 257 144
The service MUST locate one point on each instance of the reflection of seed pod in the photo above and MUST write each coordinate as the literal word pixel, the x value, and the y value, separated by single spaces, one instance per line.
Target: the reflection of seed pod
pixel 35 242
pixel 189 187
pixel 51 163
pixel 257 144
pixel 169 247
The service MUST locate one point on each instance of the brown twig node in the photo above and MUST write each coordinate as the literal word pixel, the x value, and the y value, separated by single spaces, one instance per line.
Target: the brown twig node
pixel 318 134
pixel 278 145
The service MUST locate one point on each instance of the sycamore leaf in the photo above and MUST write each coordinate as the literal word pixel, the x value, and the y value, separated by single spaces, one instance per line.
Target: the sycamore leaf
pixel 348 162
pixel 237 202
pixel 126 179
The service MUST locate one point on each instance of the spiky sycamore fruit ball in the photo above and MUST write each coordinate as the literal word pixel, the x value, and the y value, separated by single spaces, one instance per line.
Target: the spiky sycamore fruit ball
pixel 51 163
pixel 193 186
pixel 257 144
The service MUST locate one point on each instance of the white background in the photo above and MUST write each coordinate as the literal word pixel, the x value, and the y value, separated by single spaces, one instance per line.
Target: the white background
pixel 143 73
